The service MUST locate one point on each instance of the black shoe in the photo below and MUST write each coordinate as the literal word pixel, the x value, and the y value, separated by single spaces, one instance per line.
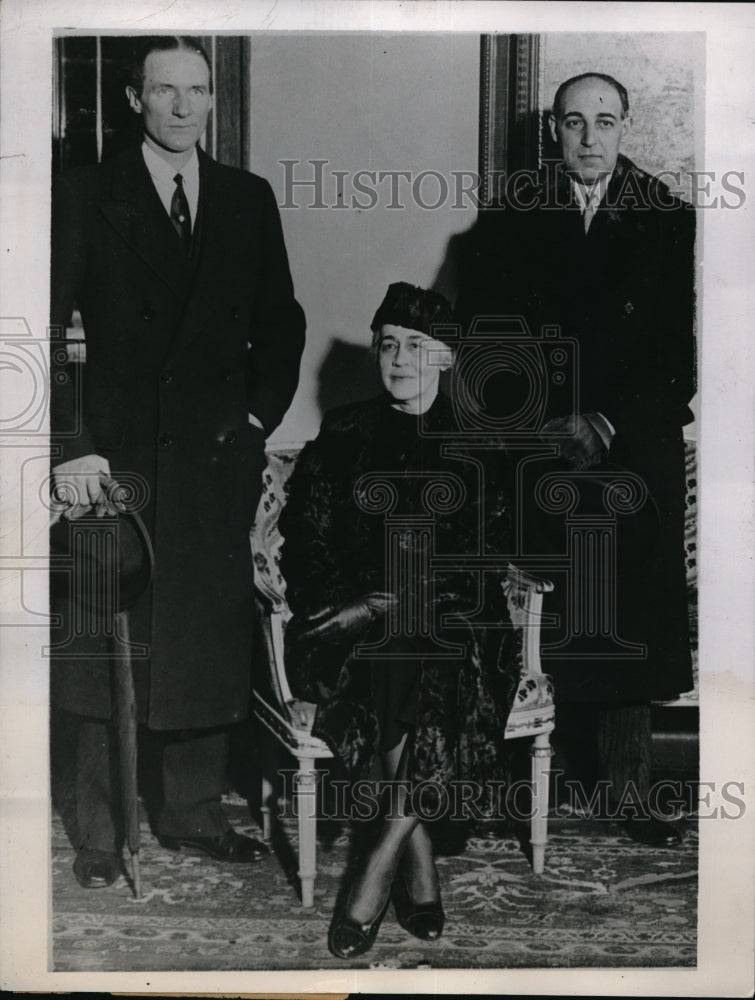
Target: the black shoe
pixel 229 846
pixel 347 938
pixel 651 831
pixel 423 920
pixel 95 869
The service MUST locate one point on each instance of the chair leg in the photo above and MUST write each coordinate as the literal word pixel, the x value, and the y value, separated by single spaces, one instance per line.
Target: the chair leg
pixel 305 794
pixel 541 752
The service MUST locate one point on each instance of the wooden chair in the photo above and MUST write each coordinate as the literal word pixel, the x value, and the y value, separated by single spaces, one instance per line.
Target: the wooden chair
pixel 533 712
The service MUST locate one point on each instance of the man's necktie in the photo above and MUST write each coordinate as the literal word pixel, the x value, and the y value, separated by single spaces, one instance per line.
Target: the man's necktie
pixel 589 212
pixel 179 213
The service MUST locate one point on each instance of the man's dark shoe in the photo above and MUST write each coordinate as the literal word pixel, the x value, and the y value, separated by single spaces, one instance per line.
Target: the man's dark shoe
pixel 95 869
pixel 651 832
pixel 229 846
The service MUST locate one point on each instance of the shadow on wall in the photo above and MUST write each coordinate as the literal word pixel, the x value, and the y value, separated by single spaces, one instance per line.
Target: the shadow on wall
pixel 457 262
pixel 347 375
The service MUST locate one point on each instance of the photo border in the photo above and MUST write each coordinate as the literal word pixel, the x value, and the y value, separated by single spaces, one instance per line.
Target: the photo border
pixel 725 310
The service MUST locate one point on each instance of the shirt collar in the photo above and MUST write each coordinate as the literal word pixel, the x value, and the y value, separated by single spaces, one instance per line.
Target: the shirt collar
pixel 591 194
pixel 163 172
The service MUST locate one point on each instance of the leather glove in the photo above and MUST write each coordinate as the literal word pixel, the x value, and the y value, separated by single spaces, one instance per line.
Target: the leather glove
pixel 580 444
pixel 348 621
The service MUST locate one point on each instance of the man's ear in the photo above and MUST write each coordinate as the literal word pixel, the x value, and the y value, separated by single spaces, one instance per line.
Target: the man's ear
pixel 626 126
pixel 552 127
pixel 133 100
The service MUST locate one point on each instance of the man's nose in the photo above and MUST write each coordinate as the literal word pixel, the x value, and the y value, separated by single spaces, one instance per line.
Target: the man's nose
pixel 589 137
pixel 181 105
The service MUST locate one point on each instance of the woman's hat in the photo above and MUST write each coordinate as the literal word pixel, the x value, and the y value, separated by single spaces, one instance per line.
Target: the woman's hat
pixel 416 309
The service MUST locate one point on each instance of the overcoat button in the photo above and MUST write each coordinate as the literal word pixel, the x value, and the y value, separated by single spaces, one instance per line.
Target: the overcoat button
pixel 166 440
pixel 628 308
pixel 225 375
pixel 148 313
pixel 166 377
pixel 229 437
pixel 235 312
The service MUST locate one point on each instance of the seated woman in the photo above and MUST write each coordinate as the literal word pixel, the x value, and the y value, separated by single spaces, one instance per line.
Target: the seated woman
pixel 432 697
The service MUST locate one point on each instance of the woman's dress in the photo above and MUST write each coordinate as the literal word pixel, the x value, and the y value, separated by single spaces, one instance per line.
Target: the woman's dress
pixel 376 483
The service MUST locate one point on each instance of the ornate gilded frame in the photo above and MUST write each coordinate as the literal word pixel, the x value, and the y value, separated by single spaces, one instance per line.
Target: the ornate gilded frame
pixel 511 110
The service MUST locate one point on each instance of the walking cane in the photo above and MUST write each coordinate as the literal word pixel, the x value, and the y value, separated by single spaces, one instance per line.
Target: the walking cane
pixel 122 681
pixel 125 716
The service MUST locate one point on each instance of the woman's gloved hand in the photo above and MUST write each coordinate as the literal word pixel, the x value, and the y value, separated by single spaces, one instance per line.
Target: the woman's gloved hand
pixel 348 621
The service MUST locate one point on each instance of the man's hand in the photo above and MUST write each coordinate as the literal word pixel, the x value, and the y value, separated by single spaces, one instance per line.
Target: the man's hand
pixel 580 444
pixel 351 619
pixel 80 485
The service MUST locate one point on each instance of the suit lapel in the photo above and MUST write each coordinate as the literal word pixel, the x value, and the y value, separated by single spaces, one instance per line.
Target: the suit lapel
pixel 134 209
pixel 214 243
pixel 611 217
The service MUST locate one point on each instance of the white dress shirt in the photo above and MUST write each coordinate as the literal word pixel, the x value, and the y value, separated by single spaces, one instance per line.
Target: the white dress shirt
pixel 590 195
pixel 163 175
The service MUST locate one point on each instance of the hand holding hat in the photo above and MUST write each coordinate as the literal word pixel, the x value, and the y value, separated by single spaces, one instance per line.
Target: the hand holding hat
pixel 80 485
pixel 84 492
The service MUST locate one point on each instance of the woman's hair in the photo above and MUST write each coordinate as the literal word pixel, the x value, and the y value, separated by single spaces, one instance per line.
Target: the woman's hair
pixel 414 309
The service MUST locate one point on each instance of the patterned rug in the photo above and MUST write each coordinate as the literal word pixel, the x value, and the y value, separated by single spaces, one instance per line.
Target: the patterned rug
pixel 602 902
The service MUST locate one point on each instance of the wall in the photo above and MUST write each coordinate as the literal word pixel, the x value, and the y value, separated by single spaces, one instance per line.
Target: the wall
pixel 379 102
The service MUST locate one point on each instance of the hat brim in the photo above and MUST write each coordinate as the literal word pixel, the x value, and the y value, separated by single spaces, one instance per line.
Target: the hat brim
pixel 108 561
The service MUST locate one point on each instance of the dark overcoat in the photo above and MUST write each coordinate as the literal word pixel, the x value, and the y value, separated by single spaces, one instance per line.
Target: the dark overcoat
pixel 179 350
pixel 624 293
pixel 336 550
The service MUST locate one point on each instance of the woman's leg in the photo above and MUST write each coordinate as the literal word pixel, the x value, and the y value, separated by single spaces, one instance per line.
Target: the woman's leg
pixel 419 871
pixel 415 888
pixel 370 889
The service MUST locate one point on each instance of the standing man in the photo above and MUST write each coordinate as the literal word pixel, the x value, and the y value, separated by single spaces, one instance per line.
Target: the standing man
pixel 193 340
pixel 604 251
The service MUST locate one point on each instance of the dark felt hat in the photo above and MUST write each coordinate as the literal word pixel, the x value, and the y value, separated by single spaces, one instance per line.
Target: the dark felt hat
pixel 415 308
pixel 105 562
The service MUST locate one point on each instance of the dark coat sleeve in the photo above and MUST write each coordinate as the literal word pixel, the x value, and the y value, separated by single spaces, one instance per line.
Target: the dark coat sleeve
pixel 644 377
pixel 278 326
pixel 314 580
pixel 70 211
pixel 678 358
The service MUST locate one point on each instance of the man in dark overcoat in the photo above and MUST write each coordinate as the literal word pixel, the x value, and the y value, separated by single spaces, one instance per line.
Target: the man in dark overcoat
pixel 193 341
pixel 601 250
